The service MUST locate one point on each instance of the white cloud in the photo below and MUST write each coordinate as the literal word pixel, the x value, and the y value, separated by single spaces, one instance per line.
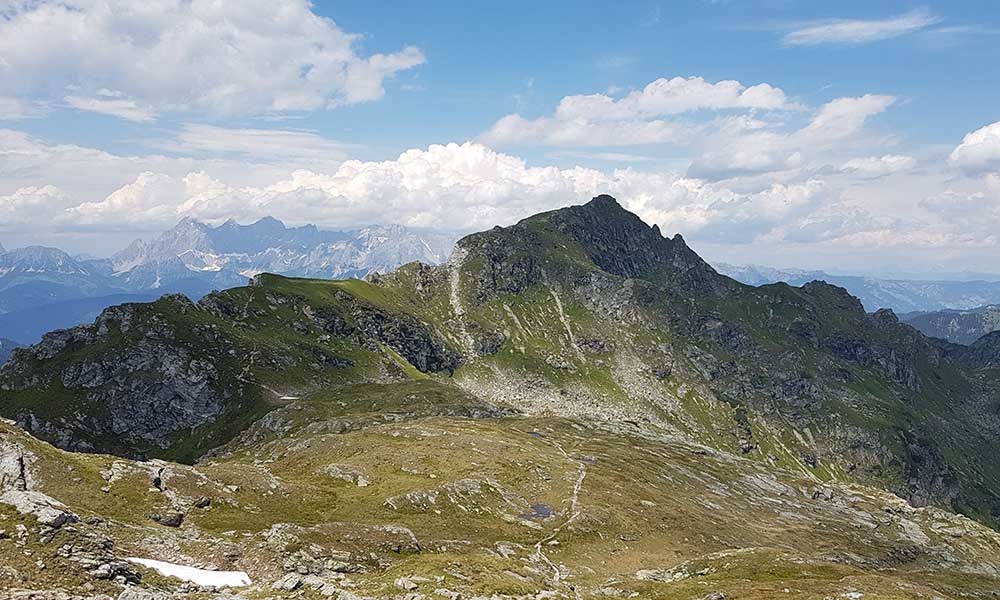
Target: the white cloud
pixel 873 167
pixel 601 120
pixel 122 108
pixel 456 186
pixel 471 187
pixel 273 145
pixel 89 174
pixel 845 116
pixel 31 205
pixel 859 31
pixel 726 129
pixel 15 109
pixel 745 146
pixel 515 130
pixel 979 151
pixel 622 157
pixel 233 58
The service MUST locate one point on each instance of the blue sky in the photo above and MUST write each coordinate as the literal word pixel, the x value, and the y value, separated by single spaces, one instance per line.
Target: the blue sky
pixel 812 134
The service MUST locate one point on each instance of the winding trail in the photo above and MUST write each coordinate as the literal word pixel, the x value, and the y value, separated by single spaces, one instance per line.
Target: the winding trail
pixel 574 512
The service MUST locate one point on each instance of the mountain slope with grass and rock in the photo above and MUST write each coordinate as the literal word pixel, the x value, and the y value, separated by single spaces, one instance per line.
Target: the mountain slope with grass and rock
pixel 572 406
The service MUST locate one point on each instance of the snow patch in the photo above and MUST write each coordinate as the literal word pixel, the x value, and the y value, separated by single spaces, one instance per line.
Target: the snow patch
pixel 201 577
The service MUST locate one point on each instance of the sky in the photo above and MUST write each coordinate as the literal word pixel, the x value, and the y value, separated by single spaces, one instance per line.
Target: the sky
pixel 851 136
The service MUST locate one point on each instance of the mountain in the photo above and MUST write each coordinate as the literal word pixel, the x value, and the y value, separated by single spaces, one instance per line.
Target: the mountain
pixel 234 251
pixel 900 295
pixel 192 259
pixel 957 326
pixel 574 406
pixel 36 275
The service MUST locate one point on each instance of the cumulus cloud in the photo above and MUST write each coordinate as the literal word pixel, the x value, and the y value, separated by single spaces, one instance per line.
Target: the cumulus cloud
pixel 232 58
pixel 461 187
pixel 28 206
pixel 727 129
pixel 746 146
pixel 670 97
pixel 873 167
pixel 859 31
pixel 979 151
pixel 601 120
pixel 467 187
pixel 845 116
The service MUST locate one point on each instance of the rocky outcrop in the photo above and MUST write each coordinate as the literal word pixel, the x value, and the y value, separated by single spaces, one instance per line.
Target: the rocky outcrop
pixel 509 260
pixel 141 381
pixel 405 334
pixel 619 243
pixel 17 488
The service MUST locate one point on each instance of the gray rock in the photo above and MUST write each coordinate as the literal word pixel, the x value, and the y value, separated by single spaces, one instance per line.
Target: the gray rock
pixel 169 519
pixel 48 511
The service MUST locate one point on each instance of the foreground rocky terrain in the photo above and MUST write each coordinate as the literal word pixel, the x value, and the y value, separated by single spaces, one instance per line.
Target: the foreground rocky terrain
pixel 575 406
pixel 416 490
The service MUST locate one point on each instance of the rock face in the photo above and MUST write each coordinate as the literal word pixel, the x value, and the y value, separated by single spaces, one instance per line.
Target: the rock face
pixel 140 383
pixel 619 243
pixel 608 237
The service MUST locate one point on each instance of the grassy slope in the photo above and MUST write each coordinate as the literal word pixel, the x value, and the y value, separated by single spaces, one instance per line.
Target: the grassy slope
pixel 620 503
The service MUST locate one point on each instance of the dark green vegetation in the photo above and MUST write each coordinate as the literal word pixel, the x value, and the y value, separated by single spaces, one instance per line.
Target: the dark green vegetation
pixel 576 389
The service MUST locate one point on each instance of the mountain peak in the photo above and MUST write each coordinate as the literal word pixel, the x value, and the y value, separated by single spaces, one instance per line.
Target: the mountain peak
pixel 269 221
pixel 188 221
pixel 604 201
pixel 614 239
pixel 621 243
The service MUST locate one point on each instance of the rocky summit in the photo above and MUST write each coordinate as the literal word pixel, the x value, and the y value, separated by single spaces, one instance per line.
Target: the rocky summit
pixel 574 406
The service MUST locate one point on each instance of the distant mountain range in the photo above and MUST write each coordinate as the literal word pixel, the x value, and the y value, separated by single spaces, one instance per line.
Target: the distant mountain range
pixel 901 295
pixel 957 326
pixel 46 288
